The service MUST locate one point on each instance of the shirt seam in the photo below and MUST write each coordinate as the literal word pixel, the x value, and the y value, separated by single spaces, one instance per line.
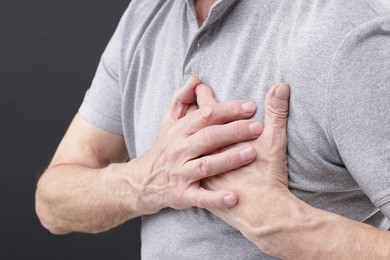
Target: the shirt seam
pixel 88 106
pixel 329 80
pixel 382 202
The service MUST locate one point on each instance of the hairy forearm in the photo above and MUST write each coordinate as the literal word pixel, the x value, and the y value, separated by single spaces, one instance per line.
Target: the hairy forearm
pixel 75 198
pixel 304 232
pixel 79 192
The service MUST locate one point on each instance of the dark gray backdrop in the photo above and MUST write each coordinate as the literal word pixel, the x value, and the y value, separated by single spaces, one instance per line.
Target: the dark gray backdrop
pixel 49 51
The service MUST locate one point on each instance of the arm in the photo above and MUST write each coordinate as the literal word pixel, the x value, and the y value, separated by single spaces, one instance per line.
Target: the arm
pixel 304 232
pixel 88 186
pixel 280 224
pixel 73 193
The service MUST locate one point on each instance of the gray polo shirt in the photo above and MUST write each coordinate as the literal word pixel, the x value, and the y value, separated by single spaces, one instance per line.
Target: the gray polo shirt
pixel 335 54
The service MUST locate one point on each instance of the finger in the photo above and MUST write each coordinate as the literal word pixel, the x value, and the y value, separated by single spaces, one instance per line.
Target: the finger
pixel 218 163
pixel 202 198
pixel 191 109
pixel 216 114
pixel 273 140
pixel 183 98
pixel 204 95
pixel 215 137
pixel 276 106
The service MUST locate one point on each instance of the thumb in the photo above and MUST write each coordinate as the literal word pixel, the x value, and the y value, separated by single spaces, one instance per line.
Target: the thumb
pixel 276 106
pixel 272 143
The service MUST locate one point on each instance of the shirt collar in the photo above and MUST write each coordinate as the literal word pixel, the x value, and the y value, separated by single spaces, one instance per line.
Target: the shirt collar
pixel 219 8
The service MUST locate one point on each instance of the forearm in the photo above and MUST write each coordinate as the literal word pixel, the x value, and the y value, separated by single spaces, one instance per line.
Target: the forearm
pixel 79 193
pixel 304 232
pixel 75 198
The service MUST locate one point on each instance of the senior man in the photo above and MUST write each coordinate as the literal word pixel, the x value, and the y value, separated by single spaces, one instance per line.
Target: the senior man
pixel 207 154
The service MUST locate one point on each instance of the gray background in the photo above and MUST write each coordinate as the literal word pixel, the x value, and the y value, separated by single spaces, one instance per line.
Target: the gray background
pixel 49 51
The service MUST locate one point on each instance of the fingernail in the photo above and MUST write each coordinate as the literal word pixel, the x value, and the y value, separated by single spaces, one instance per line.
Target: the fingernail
pixel 282 92
pixel 230 200
pixel 249 107
pixel 247 153
pixel 255 128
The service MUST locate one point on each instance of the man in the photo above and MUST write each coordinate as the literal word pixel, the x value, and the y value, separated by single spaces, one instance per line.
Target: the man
pixel 335 57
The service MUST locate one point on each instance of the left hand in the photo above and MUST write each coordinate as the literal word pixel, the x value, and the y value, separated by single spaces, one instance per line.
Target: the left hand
pixel 276 221
pixel 262 184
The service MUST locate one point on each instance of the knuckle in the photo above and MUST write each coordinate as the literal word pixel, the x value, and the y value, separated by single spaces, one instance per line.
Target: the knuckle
pixel 178 199
pixel 173 154
pixel 177 193
pixel 206 137
pixel 276 114
pixel 277 107
pixel 174 178
pixel 275 145
pixel 229 159
pixel 240 130
pixel 235 109
pixel 204 168
pixel 171 131
pixel 207 113
pixel 200 201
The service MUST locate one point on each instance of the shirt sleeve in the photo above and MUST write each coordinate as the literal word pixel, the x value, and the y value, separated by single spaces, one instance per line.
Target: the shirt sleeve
pixel 103 100
pixel 359 108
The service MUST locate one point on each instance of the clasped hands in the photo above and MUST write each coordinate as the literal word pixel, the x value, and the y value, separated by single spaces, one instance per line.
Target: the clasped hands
pixel 212 155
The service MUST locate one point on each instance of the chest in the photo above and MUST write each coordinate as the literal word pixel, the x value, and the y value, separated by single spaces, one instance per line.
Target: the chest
pixel 241 60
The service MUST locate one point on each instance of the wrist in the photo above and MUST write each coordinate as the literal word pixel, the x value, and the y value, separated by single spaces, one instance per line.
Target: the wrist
pixel 300 231
pixel 134 194
pixel 290 223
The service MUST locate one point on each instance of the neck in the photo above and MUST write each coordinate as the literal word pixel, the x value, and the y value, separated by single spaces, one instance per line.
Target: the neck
pixel 202 8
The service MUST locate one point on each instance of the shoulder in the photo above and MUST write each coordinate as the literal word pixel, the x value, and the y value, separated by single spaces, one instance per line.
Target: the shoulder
pixel 140 11
pixel 134 24
pixel 358 98
pixel 140 15
pixel 364 53
pixel 382 7
pixel 358 83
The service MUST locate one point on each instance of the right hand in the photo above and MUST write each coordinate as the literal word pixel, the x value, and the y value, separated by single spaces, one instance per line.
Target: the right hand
pixel 196 140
